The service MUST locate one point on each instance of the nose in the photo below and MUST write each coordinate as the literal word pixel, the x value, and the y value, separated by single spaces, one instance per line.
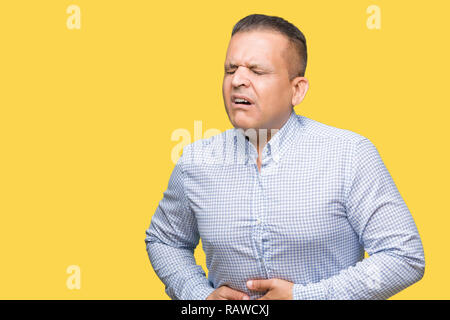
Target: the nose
pixel 240 78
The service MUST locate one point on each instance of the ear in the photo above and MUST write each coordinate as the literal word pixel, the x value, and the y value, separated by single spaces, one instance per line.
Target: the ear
pixel 300 86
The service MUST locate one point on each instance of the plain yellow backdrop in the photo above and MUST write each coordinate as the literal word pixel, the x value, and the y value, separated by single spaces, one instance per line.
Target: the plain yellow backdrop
pixel 86 118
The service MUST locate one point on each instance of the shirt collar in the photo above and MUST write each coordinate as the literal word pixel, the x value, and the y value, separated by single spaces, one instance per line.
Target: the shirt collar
pixel 277 145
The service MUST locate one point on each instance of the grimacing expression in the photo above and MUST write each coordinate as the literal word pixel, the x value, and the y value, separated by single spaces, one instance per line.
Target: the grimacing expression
pixel 257 91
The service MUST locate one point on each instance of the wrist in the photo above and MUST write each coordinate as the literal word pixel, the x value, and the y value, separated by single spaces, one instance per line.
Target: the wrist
pixel 312 291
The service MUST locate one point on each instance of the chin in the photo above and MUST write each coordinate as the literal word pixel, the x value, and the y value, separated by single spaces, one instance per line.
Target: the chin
pixel 244 119
pixel 244 122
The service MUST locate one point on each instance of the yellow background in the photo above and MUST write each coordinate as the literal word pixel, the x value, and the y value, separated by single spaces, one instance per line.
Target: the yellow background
pixel 86 118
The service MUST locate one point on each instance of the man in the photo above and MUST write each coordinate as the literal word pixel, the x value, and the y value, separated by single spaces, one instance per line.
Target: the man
pixel 285 206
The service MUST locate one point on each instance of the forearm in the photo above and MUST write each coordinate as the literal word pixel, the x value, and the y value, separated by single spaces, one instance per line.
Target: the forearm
pixel 177 269
pixel 377 277
pixel 171 240
pixel 386 230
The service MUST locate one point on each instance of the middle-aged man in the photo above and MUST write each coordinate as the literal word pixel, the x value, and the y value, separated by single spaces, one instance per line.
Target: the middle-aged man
pixel 285 205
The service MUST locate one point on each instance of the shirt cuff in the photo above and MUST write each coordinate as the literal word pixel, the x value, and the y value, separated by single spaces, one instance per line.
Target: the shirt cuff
pixel 312 291
pixel 203 293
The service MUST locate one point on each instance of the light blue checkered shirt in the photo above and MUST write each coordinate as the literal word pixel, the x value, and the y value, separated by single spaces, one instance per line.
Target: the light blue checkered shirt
pixel 322 197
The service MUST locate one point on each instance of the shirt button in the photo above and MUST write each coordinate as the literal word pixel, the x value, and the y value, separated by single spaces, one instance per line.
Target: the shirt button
pixel 258 221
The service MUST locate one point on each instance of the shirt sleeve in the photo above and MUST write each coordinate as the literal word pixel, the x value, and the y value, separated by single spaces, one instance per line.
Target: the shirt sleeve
pixel 386 230
pixel 171 240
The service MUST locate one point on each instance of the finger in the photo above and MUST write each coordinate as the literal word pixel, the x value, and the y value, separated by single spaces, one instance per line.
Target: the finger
pixel 260 285
pixel 231 294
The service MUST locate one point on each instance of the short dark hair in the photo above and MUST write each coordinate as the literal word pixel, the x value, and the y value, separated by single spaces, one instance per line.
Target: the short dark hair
pixel 264 22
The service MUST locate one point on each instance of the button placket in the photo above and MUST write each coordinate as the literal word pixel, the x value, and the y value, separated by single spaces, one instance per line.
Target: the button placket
pixel 256 213
pixel 269 170
pixel 260 222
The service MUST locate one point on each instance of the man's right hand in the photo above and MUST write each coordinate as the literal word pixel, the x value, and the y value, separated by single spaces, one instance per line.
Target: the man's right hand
pixel 226 293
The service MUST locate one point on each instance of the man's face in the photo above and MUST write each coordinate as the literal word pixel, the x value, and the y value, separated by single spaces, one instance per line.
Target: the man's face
pixel 256 70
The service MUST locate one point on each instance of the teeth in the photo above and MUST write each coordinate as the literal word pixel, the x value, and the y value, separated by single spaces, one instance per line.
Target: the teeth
pixel 240 100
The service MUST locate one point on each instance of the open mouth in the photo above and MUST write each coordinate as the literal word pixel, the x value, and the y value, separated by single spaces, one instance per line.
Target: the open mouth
pixel 241 101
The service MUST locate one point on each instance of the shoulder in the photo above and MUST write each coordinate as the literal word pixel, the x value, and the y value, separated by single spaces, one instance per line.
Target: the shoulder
pixel 209 150
pixel 314 129
pixel 347 143
pixel 355 147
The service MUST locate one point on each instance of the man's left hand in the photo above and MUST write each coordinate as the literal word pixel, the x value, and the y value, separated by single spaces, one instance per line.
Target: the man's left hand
pixel 277 289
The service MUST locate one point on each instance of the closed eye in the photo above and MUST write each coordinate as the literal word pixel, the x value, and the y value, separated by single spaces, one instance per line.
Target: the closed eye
pixel 255 72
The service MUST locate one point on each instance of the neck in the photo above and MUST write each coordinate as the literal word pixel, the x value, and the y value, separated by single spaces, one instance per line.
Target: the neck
pixel 260 137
